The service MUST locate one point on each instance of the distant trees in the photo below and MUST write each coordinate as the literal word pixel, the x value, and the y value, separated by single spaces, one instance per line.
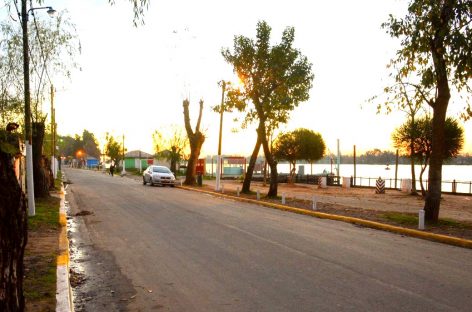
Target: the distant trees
pixel 300 144
pixel 275 80
pixel 196 139
pixel 171 147
pixel 435 56
pixel 69 146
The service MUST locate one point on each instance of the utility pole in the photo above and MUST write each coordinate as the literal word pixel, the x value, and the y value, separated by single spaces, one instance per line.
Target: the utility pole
pixel 218 157
pixel 28 132
pixel 123 172
pixel 53 134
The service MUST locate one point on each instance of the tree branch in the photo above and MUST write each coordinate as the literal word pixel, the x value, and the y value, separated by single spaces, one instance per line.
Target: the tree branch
pixel 188 127
pixel 197 129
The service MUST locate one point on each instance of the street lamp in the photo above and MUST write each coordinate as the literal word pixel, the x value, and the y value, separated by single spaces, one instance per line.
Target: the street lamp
pixel 218 157
pixel 28 132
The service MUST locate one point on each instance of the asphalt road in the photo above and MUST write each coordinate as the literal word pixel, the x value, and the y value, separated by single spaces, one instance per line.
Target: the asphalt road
pixel 146 248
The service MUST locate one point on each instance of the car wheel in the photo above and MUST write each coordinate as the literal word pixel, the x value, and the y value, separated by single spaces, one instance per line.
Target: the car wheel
pixel 150 181
pixel 172 185
pixel 144 181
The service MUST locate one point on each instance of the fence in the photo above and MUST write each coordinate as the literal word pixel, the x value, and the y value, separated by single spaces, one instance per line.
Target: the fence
pixel 453 187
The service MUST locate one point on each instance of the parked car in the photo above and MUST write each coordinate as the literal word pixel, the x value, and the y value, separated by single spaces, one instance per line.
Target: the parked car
pixel 158 175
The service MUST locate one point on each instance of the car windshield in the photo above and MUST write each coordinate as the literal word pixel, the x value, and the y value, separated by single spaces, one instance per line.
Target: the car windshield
pixel 160 170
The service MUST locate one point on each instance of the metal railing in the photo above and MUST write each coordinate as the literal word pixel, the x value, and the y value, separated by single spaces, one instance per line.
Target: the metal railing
pixel 453 187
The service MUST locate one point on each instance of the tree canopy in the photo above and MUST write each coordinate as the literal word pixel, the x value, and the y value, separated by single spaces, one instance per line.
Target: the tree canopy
pixel 300 144
pixel 53 45
pixel 275 78
pixel 113 149
pixel 171 146
pixel 415 139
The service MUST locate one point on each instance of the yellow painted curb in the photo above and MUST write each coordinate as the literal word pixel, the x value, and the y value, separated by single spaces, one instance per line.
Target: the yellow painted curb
pixel 371 224
pixel 64 298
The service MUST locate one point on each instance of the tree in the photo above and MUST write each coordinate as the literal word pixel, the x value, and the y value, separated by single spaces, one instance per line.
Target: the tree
pixel 287 148
pixel 196 139
pixel 420 133
pixel 90 144
pixel 113 149
pixel 436 40
pixel 52 48
pixel 170 148
pixel 13 227
pixel 300 144
pixel 275 80
pixel 406 98
pixel 138 9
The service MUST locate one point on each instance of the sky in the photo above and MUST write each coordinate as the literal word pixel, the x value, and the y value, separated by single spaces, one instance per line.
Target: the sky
pixel 132 80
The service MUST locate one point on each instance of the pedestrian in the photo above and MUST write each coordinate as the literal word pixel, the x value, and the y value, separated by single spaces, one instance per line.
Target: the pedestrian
pixel 112 168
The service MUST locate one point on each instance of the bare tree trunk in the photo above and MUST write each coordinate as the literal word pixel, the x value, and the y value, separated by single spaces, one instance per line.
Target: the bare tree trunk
pixel 41 176
pixel 196 140
pixel 413 174
pixel 423 168
pixel 270 160
pixel 13 235
pixel 433 195
pixel 250 168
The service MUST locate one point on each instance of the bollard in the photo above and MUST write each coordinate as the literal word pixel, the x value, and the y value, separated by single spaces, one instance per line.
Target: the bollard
pixel 258 195
pixel 283 198
pixel 237 191
pixel 314 202
pixel 181 182
pixel 222 188
pixel 421 219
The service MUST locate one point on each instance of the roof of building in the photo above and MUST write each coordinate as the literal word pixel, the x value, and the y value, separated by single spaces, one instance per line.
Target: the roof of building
pixel 138 154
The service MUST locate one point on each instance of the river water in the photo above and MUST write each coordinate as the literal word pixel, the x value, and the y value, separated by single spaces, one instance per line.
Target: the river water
pixel 462 174
pixel 367 174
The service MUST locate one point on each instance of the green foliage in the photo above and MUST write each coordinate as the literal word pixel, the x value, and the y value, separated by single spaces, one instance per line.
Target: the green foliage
pixel 47 214
pixel 90 144
pixel 171 147
pixel 435 57
pixel 415 138
pixel 138 9
pixel 69 146
pixel 430 25
pixel 113 149
pixel 300 144
pixel 275 78
pixel 53 45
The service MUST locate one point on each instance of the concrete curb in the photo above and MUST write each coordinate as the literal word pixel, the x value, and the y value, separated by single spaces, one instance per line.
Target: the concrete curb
pixel 64 299
pixel 370 224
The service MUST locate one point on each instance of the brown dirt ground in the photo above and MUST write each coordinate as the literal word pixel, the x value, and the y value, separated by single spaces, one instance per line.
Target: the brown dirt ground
pixel 455 213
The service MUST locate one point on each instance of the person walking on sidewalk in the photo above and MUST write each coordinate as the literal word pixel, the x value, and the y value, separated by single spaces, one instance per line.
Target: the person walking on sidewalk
pixel 112 169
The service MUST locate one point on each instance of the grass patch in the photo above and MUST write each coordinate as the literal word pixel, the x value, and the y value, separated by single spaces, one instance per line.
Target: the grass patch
pixel 41 256
pixel 40 281
pixel 47 214
pixel 412 220
pixel 400 218
pixel 58 181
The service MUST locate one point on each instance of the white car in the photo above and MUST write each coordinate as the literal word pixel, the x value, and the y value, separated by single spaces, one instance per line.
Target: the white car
pixel 158 175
